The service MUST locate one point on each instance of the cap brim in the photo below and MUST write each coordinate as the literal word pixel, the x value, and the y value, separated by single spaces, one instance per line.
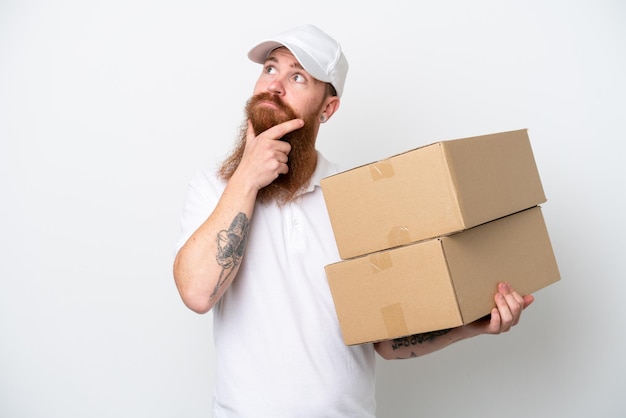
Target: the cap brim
pixel 260 53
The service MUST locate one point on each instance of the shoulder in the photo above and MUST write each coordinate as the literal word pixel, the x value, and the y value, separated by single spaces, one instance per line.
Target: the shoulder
pixel 206 181
pixel 327 168
pixel 324 168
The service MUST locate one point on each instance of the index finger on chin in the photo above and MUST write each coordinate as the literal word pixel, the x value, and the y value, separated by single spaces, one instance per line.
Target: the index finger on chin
pixel 282 129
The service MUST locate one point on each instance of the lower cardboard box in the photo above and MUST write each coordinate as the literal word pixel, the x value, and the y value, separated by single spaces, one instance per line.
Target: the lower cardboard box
pixel 443 282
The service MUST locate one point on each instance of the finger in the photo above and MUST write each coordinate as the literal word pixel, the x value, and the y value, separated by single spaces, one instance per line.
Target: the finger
pixel 516 305
pixel 528 299
pixel 495 322
pixel 283 169
pixel 516 296
pixel 282 148
pixel 510 295
pixel 250 135
pixel 282 157
pixel 515 301
pixel 521 305
pixel 282 129
pixel 506 317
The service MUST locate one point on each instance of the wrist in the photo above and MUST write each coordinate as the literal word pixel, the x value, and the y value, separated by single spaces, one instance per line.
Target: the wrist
pixel 243 185
pixel 471 330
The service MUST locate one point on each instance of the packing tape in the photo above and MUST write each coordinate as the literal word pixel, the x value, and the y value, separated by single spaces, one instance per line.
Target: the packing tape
pixel 381 170
pixel 399 235
pixel 380 261
pixel 393 316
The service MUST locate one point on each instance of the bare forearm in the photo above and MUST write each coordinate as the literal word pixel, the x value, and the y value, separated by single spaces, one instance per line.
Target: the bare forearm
pixel 506 314
pixel 419 344
pixel 208 262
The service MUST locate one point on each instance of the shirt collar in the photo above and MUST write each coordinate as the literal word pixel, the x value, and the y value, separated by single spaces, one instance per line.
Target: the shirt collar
pixel 323 169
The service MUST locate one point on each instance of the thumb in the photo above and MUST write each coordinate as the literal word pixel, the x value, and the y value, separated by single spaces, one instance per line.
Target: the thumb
pixel 250 134
pixel 528 299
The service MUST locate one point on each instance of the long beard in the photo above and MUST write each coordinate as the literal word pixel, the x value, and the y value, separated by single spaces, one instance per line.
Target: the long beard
pixel 302 157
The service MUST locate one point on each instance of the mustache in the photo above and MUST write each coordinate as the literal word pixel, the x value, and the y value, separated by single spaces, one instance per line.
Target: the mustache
pixel 302 157
pixel 272 98
pixel 264 117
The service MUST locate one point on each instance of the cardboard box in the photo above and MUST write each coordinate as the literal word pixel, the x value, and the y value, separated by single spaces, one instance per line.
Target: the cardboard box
pixel 440 283
pixel 432 191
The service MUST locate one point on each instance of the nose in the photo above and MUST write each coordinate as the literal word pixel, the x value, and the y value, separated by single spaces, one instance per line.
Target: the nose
pixel 276 87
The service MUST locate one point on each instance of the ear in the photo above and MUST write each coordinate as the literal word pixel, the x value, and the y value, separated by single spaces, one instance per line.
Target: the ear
pixel 331 104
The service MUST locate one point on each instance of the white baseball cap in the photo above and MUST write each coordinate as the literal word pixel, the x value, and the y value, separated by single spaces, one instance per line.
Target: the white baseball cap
pixel 318 53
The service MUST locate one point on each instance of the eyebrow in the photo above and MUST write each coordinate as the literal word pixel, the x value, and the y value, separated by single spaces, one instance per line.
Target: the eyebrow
pixel 294 64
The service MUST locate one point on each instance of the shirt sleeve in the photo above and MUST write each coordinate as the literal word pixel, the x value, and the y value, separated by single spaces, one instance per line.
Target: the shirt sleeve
pixel 203 192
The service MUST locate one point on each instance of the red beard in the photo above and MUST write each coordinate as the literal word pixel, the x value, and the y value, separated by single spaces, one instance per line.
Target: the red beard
pixel 302 157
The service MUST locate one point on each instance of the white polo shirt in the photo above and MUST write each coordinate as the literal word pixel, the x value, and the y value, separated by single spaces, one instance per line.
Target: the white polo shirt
pixel 279 350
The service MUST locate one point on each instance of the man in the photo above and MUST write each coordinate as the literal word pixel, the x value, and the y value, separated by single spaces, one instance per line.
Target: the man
pixel 256 237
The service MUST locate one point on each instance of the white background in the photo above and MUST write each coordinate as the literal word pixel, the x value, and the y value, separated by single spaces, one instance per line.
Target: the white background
pixel 107 107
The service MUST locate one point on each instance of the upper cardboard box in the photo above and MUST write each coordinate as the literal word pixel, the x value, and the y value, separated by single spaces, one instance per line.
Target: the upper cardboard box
pixel 435 190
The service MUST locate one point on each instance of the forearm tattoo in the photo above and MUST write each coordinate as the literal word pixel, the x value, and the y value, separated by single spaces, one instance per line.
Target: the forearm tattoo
pixel 416 339
pixel 231 244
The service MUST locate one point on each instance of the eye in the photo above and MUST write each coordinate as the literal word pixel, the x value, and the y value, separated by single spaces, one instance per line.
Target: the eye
pixel 299 78
pixel 270 69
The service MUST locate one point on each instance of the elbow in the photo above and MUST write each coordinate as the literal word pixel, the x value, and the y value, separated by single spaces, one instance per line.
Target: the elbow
pixel 193 298
pixel 195 301
pixel 383 351
pixel 387 351
pixel 196 305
